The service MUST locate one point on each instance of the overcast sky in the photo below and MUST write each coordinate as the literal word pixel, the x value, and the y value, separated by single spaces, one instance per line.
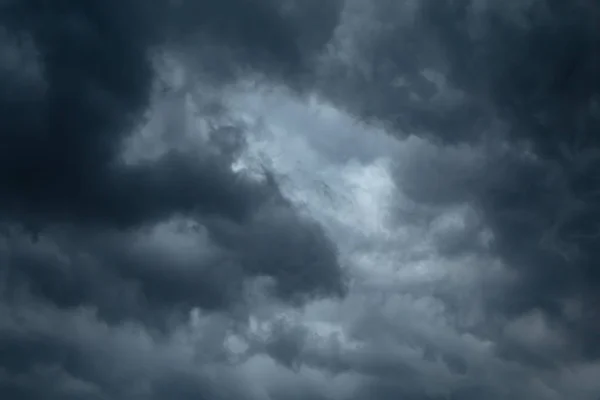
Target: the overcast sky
pixel 299 199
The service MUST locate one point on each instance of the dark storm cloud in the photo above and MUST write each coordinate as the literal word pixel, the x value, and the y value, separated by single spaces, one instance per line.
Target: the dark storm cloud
pixel 84 229
pixel 63 128
pixel 509 92
pixel 76 83
pixel 518 82
pixel 447 68
pixel 281 38
pixel 150 277
pixel 522 80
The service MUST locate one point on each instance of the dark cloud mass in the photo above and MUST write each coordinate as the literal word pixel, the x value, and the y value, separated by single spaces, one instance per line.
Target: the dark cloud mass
pixel 521 80
pixel 103 259
pixel 533 69
pixel 82 226
pixel 65 123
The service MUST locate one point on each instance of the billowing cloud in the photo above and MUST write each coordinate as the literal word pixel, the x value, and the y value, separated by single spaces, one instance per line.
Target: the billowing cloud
pixel 262 199
pixel 88 224
pixel 512 91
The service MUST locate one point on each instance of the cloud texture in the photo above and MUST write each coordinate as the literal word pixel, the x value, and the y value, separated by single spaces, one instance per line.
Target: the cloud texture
pixel 285 199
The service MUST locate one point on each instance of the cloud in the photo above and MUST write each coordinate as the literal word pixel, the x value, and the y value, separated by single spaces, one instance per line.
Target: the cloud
pixel 60 354
pixel 94 81
pixel 507 96
pixel 434 308
pixel 81 83
pixel 107 247
pixel 260 199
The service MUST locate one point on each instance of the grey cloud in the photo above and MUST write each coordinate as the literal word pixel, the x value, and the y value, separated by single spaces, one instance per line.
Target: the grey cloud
pixel 427 358
pixel 78 82
pixel 97 77
pixel 503 100
pixel 151 277
pixel 502 96
pixel 431 174
pixel 517 81
pixel 49 353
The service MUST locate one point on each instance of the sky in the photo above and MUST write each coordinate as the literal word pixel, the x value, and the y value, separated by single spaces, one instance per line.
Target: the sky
pixel 299 199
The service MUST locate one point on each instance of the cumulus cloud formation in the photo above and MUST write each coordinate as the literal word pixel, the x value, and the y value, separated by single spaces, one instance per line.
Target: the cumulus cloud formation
pixel 285 199
pixel 516 83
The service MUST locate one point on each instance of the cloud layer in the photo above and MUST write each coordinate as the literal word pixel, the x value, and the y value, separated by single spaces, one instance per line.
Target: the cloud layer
pixel 260 199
